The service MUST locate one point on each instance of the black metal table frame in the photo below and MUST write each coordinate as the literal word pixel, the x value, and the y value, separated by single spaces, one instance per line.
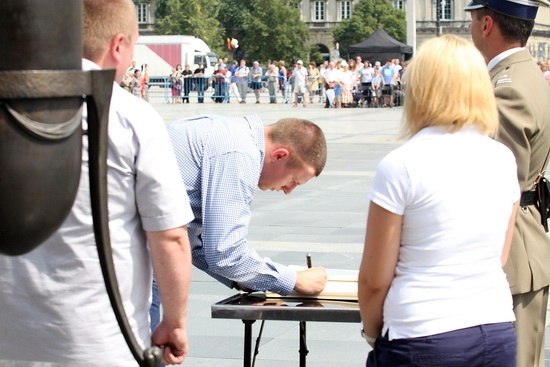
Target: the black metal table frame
pixel 231 308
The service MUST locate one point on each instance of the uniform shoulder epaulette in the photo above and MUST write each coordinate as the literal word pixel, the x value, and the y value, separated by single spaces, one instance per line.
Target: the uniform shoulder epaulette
pixel 503 79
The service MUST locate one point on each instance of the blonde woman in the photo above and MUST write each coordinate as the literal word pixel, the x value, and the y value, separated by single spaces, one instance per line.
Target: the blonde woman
pixel 313 80
pixel 346 80
pixel 432 291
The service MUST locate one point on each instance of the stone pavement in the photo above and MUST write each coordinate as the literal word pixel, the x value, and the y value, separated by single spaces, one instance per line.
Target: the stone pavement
pixel 326 217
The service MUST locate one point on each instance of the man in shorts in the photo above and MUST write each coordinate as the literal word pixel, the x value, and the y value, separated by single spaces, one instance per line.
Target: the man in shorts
pixel 299 78
pixel 389 77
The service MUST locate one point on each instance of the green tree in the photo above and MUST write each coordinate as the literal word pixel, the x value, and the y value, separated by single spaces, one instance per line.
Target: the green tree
pixel 368 15
pixel 232 15
pixel 275 32
pixel 161 8
pixel 315 54
pixel 190 17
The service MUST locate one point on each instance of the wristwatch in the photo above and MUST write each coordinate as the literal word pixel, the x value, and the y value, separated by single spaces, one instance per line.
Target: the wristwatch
pixel 369 339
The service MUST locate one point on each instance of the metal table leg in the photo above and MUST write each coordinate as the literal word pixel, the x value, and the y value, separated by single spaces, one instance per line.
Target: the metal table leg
pixel 303 345
pixel 247 342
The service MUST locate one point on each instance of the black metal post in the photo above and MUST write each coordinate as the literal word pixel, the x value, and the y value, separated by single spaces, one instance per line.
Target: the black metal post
pixel 40 174
pixel 303 344
pixel 247 360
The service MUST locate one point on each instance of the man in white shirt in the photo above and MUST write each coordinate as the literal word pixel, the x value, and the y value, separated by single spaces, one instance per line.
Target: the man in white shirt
pixel 299 79
pixel 53 303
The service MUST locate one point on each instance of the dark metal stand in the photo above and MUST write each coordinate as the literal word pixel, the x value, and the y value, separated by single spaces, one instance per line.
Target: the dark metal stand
pixel 41 84
pixel 249 308
pixel 98 112
pixel 303 345
pixel 247 361
pixel 94 87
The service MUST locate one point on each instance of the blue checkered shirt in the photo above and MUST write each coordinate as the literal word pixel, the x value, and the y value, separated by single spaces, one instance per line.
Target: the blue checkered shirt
pixel 220 160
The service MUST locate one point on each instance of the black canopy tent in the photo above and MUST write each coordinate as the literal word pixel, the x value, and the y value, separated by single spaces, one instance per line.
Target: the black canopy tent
pixel 380 46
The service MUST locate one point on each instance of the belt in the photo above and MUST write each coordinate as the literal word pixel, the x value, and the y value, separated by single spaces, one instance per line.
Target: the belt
pixel 528 198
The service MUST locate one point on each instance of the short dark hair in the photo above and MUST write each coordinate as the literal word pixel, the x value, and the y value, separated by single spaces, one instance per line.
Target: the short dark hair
pixel 512 29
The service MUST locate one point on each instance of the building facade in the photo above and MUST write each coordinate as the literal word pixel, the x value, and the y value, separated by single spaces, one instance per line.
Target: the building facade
pixel 425 19
pixel 146 17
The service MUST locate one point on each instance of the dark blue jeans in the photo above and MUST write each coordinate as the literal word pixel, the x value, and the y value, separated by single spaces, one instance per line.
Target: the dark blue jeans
pixel 154 311
pixel 491 345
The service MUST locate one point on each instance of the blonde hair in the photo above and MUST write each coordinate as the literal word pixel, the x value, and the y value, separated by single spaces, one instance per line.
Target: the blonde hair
pixel 448 85
pixel 103 20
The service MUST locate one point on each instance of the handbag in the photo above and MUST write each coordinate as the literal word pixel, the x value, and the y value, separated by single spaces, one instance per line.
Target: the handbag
pixel 542 189
pixel 543 201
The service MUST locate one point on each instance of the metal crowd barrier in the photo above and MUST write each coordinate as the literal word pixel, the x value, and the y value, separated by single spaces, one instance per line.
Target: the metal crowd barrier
pixel 160 88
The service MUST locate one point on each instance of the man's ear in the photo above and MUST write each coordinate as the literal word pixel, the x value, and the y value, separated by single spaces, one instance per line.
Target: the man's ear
pixel 115 48
pixel 488 24
pixel 280 153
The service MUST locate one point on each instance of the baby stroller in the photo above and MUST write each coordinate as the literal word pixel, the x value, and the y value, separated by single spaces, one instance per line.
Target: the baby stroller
pixel 376 98
pixel 358 99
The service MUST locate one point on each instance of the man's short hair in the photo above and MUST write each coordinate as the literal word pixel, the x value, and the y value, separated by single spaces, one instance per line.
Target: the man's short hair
pixel 512 29
pixel 305 141
pixel 103 20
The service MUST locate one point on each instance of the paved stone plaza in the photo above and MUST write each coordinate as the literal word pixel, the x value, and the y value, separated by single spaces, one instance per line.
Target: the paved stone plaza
pixel 326 217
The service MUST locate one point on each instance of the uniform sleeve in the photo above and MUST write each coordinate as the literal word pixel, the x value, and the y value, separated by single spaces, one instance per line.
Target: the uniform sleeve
pixel 516 120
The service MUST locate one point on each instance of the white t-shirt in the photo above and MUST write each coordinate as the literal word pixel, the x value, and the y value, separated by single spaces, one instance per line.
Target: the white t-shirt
pixel 300 75
pixel 455 192
pixel 53 301
pixel 366 74
pixel 332 75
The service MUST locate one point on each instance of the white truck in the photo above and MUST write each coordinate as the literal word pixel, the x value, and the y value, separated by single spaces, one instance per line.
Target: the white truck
pixel 162 53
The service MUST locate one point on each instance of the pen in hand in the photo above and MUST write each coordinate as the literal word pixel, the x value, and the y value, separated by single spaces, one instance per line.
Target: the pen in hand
pixel 308 260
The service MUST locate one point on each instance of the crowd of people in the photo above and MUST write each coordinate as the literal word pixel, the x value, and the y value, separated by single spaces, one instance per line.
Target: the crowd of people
pixel 136 80
pixel 454 271
pixel 338 84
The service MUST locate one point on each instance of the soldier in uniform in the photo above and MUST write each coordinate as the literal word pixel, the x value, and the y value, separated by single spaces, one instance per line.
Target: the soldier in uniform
pixel 500 30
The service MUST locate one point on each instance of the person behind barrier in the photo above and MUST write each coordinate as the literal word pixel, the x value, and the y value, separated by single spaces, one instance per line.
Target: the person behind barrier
pixel 313 80
pixel 271 75
pixel 256 80
pixel 389 75
pixel 220 83
pixel 53 303
pixel 376 86
pixel 283 80
pixel 432 291
pixel 331 75
pixel 299 83
pixel 365 75
pixel 242 77
pixel 201 82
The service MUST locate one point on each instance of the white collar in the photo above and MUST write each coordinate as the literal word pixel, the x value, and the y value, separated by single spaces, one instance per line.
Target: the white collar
pixel 498 58
pixel 89 65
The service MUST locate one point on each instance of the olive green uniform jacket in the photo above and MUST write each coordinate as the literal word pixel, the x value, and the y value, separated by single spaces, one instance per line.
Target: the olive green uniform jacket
pixel 523 102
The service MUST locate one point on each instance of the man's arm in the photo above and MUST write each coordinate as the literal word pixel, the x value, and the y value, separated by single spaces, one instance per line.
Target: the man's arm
pixel 228 186
pixel 517 120
pixel 171 257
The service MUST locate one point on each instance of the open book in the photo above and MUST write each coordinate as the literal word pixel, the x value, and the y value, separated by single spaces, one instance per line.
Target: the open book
pixel 341 286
